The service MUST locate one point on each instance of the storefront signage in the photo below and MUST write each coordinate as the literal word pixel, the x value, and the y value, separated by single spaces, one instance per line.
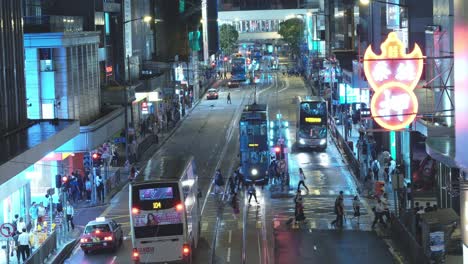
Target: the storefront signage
pixel 393 75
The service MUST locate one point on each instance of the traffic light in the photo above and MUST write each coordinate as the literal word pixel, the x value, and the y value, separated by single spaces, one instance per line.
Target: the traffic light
pixel 87 163
pixel 96 159
pixel 278 153
pixel 65 181
pixel 58 180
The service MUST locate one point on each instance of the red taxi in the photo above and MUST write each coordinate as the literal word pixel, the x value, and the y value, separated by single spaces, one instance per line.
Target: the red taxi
pixel 101 234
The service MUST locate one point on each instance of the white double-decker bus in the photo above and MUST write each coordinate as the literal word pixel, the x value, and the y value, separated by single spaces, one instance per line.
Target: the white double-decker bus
pixel 165 212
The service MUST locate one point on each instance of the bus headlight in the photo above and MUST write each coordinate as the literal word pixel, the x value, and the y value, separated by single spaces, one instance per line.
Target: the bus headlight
pixel 254 172
pixel 323 141
pixel 301 141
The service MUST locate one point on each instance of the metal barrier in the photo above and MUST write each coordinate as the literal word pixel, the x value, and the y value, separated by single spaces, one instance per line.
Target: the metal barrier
pixel 349 154
pixel 407 243
pixel 44 250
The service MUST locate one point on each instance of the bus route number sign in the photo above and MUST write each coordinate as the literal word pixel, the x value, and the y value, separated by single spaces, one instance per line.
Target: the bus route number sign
pixel 313 119
pixel 157 205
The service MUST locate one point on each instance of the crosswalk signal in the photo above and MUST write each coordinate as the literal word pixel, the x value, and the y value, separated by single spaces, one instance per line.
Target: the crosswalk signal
pixel 96 159
pixel 278 153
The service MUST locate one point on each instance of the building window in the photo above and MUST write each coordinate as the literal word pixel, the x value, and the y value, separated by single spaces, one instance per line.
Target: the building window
pixel 45 58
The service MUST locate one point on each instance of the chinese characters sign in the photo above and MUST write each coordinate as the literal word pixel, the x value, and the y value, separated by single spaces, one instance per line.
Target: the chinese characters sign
pixel 393 75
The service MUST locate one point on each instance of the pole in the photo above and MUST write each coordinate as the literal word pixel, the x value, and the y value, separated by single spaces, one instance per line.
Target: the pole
pixel 51 213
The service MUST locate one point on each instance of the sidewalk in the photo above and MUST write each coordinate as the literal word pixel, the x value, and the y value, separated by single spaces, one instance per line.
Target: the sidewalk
pixel 66 244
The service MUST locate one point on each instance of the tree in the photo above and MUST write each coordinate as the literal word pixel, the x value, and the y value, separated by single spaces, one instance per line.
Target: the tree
pixel 228 36
pixel 292 32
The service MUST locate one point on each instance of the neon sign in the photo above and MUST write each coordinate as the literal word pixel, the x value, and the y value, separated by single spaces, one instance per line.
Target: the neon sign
pixel 393 75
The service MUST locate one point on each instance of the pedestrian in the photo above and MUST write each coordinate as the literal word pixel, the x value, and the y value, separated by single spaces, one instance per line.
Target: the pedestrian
pixel 241 181
pixel 385 204
pixel 15 222
pixel 252 192
pixel 428 208
pixel 21 225
pixel 229 98
pixel 133 173
pixel 24 244
pixel 339 211
pixel 357 208
pixel 378 213
pixel 349 126
pixel 301 180
pixel 391 169
pixel 376 169
pixel 370 173
pixel 41 212
pixel 219 182
pixel 33 214
pixel 297 200
pixel 299 213
pixel 69 212
pixel 100 188
pixel 232 185
pixel 88 187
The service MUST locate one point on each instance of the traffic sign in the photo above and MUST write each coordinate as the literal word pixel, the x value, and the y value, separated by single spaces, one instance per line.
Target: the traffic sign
pixel 7 230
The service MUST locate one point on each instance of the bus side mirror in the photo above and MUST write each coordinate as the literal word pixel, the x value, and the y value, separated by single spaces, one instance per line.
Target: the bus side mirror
pixel 199 195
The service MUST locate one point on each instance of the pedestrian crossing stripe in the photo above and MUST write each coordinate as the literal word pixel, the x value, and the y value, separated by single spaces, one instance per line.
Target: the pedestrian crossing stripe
pixel 259 224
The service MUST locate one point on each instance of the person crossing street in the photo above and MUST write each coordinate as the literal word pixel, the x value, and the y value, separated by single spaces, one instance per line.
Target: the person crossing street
pixel 229 98
pixel 301 180
pixel 252 192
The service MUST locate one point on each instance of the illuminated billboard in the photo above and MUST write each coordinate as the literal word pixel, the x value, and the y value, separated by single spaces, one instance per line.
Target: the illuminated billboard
pixel 393 75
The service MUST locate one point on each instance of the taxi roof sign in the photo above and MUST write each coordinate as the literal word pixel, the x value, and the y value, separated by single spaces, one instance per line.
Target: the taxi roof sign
pixel 100 219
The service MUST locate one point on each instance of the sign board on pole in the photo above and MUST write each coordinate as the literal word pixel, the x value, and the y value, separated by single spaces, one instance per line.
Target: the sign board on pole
pixel 7 230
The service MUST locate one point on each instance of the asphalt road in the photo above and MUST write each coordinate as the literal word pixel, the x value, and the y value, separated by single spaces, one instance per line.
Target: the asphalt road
pixel 258 233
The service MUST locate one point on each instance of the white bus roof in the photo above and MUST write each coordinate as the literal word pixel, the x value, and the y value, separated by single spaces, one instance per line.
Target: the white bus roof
pixel 165 168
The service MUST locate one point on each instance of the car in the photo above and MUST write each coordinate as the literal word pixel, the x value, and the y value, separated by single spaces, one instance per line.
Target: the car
pixel 212 94
pixel 101 234
pixel 232 84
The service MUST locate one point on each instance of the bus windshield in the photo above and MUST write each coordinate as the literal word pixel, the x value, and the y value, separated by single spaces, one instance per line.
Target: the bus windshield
pixel 157 215
pixel 313 120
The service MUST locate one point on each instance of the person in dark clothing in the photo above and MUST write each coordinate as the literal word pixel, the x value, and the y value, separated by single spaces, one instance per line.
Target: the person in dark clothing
pixel 339 211
pixel 229 98
pixel 232 185
pixel 428 208
pixel 252 192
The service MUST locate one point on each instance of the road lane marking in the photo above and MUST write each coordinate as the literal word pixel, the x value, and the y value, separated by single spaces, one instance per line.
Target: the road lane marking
pixel 113 259
pixel 259 224
pixel 75 250
pixel 316 192
pixel 259 249
pixel 228 257
pixel 204 227
pixel 315 248
pixel 230 236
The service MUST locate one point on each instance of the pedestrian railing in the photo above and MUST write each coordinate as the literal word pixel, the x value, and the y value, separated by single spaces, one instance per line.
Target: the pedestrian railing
pixel 407 243
pixel 343 145
pixel 44 250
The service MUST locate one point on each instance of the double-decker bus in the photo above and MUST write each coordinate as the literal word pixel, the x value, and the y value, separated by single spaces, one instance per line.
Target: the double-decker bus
pixel 238 69
pixel 253 147
pixel 311 125
pixel 165 212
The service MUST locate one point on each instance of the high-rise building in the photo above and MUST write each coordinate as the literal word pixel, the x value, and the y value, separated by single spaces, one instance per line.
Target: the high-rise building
pixel 12 90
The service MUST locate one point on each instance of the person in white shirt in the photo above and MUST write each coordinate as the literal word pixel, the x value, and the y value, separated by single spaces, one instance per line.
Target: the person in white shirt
pixel 21 225
pixel 69 212
pixel 41 212
pixel 301 180
pixel 23 244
